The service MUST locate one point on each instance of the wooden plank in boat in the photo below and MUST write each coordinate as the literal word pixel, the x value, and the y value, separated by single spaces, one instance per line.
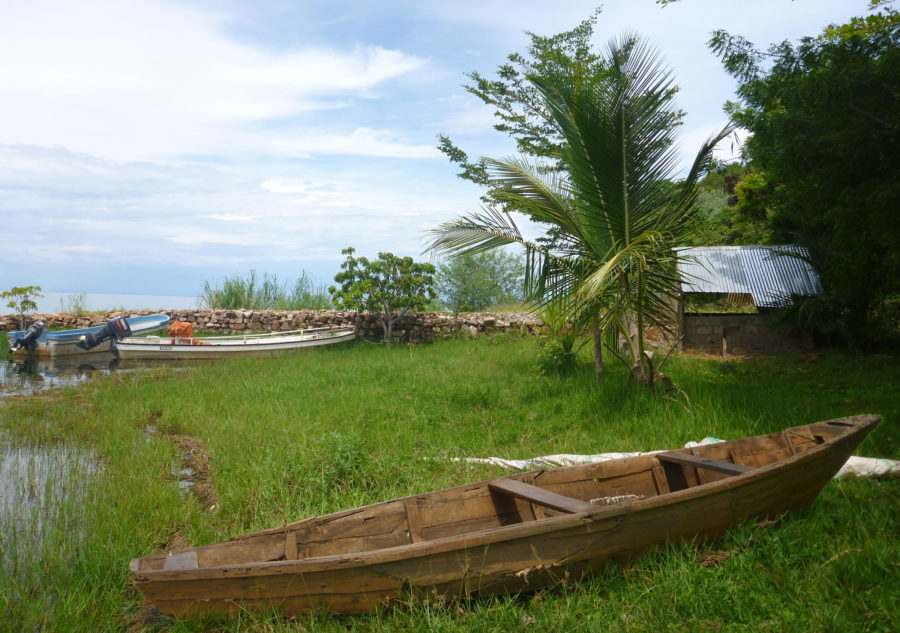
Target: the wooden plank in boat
pixel 381 519
pixel 290 545
pixel 595 471
pixel 539 495
pixel 355 544
pixel 183 560
pixel 638 483
pixel 659 479
pixel 456 528
pixel 262 548
pixel 800 442
pixel 704 462
pixel 413 521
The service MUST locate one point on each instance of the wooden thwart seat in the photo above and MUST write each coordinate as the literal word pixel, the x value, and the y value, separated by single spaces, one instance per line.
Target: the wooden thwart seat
pixel 704 462
pixel 539 496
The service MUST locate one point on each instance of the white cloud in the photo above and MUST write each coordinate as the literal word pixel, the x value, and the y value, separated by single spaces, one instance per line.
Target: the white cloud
pixel 147 79
pixel 230 217
pixel 86 209
pixel 470 117
pixel 362 141
pixel 280 186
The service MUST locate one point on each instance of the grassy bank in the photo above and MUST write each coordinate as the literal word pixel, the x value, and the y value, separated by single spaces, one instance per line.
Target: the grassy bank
pixel 309 433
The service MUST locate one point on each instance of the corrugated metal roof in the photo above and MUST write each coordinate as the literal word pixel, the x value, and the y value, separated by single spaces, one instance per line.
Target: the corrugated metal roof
pixel 770 274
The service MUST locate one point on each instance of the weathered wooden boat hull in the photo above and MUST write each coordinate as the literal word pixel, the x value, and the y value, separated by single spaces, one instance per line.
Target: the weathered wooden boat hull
pixel 65 342
pixel 159 348
pixel 491 537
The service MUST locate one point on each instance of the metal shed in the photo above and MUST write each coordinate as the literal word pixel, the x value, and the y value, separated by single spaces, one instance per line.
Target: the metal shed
pixel 769 274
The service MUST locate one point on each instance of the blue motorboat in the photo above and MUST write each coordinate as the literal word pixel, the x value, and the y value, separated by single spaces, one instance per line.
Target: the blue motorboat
pixel 38 340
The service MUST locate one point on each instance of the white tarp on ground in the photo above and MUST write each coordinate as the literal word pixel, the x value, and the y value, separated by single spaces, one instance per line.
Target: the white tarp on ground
pixel 854 467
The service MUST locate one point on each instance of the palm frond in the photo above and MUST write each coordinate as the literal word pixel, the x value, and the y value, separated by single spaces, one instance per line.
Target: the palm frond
pixel 475 233
pixel 535 191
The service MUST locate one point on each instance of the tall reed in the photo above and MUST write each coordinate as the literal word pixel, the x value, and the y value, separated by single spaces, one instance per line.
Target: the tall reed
pixel 74 304
pixel 266 293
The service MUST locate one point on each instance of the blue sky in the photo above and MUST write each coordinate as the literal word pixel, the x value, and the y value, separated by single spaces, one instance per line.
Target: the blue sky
pixel 147 146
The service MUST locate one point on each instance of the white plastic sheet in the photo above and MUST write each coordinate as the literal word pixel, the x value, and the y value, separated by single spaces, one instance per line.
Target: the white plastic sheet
pixel 854 467
pixel 869 467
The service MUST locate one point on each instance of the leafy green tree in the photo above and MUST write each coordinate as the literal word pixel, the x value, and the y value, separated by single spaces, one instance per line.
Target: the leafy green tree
pixel 616 214
pixel 21 299
pixel 390 285
pixel 826 129
pixel 521 110
pixel 733 208
pixel 477 281
pixel 883 19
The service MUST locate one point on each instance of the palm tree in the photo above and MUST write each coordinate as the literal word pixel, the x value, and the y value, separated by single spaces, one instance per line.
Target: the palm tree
pixel 614 212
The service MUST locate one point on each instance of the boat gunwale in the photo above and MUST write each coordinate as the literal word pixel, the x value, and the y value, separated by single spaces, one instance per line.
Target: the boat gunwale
pixel 490 536
pixel 310 334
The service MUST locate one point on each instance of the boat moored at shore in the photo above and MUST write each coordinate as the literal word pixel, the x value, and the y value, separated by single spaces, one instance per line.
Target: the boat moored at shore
pixel 90 340
pixel 255 344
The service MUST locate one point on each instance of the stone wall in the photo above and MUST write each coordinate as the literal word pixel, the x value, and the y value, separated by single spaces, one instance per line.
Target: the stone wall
pixel 743 333
pixel 413 328
pixel 739 334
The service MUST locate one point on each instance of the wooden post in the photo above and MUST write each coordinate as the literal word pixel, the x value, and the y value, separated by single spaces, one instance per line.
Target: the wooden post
pixel 724 342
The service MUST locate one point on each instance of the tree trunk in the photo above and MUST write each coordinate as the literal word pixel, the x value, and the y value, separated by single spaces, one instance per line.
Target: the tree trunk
pixel 634 347
pixel 598 353
pixel 388 325
pixel 648 356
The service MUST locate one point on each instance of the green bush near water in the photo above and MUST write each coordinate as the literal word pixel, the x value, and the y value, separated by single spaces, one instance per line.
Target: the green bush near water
pixel 309 433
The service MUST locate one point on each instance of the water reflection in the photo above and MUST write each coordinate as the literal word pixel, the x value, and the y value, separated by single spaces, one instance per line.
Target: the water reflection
pixel 32 374
pixel 42 490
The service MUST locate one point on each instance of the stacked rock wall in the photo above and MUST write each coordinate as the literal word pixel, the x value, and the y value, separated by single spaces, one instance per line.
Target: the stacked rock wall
pixel 420 327
pixel 742 333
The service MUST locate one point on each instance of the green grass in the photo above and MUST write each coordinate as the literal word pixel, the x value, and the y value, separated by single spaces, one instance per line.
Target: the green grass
pixel 309 433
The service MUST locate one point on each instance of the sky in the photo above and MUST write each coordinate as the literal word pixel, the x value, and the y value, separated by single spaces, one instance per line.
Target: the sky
pixel 149 146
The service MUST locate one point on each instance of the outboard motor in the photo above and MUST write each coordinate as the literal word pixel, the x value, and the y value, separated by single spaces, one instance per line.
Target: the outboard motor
pixel 33 332
pixel 116 328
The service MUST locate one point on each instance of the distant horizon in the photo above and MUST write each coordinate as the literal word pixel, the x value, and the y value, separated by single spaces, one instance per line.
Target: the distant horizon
pixel 165 280
pixel 55 301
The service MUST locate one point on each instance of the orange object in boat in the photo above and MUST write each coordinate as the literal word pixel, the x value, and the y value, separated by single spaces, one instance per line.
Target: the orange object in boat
pixel 183 332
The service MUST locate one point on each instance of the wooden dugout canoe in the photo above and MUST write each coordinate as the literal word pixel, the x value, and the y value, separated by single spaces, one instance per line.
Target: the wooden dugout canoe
pixel 516 533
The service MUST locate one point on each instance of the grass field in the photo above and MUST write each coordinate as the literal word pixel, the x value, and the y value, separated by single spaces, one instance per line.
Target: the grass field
pixel 280 439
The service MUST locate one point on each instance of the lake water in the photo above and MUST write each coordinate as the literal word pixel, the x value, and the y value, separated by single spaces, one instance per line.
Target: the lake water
pixel 41 485
pixel 97 301
pixel 31 375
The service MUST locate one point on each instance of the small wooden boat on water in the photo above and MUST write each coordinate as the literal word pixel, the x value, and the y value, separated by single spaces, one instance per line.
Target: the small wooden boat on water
pixel 516 533
pixel 42 342
pixel 256 344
